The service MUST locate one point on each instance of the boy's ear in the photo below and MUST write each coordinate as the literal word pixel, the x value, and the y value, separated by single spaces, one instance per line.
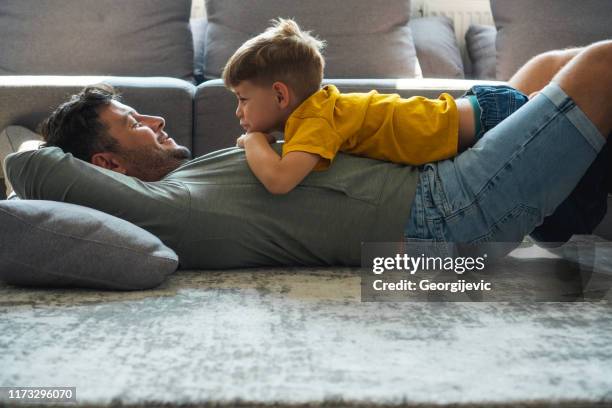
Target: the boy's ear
pixel 108 161
pixel 283 94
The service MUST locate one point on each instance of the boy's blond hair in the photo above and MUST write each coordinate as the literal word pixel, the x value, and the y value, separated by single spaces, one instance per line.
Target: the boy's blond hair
pixel 281 53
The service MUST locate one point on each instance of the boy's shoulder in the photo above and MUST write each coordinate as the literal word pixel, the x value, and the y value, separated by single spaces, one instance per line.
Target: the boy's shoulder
pixel 329 98
pixel 319 103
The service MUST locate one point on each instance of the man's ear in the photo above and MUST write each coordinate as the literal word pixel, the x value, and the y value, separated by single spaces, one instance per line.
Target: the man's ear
pixel 108 161
pixel 283 94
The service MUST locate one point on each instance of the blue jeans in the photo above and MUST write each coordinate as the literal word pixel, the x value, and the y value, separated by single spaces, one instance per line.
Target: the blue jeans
pixel 504 186
pixel 585 207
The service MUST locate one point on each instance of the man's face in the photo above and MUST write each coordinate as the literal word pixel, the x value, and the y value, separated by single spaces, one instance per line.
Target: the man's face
pixel 258 108
pixel 145 150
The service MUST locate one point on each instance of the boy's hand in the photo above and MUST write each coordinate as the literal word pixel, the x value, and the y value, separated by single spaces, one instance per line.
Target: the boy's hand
pixel 241 139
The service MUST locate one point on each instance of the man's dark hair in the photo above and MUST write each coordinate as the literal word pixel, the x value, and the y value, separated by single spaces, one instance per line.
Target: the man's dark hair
pixel 75 126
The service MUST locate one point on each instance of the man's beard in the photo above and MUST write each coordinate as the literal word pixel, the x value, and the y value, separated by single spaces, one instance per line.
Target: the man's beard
pixel 154 164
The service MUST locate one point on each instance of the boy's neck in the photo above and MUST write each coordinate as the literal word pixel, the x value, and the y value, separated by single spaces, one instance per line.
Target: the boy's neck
pixel 288 112
pixel 292 109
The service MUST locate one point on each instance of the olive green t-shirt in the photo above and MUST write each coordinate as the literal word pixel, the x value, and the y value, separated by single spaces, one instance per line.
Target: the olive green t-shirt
pixel 214 213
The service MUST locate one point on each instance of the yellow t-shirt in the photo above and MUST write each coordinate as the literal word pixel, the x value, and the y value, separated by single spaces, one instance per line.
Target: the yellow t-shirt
pixel 387 127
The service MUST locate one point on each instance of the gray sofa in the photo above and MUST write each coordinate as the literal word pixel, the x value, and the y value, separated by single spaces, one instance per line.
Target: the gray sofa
pixel 168 65
pixel 165 63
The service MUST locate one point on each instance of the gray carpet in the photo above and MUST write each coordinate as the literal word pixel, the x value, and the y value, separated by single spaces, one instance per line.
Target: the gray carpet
pixel 302 336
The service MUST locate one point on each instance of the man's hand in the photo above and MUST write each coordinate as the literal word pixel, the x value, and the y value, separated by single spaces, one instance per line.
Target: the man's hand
pixel 242 138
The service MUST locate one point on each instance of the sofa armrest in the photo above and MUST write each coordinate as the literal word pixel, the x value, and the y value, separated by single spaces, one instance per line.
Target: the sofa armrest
pixel 28 100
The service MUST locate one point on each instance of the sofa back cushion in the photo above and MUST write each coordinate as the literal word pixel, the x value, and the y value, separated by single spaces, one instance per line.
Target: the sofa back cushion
pixel 96 37
pixel 529 27
pixel 436 47
pixel 480 44
pixel 365 38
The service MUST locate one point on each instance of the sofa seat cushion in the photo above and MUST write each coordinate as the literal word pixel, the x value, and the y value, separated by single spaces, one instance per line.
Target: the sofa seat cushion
pixel 365 38
pixel 96 37
pixel 53 244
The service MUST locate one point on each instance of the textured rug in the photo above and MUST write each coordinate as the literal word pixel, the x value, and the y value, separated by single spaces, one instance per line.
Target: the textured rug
pixel 275 337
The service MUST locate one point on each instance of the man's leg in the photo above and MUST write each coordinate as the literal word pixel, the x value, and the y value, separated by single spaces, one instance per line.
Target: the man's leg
pixel 586 206
pixel 587 79
pixel 540 70
pixel 502 188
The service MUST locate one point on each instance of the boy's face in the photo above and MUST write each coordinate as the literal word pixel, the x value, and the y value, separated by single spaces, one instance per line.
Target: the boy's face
pixel 258 107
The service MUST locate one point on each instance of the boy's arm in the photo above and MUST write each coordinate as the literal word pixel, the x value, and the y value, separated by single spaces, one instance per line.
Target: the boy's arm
pixel 278 174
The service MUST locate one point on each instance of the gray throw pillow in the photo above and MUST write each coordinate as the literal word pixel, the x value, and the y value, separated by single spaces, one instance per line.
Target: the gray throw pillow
pixel 96 37
pixel 529 27
pixel 365 38
pixel 436 47
pixel 53 244
pixel 480 43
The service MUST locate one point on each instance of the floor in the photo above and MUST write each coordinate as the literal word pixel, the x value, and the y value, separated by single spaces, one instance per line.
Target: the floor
pixel 303 336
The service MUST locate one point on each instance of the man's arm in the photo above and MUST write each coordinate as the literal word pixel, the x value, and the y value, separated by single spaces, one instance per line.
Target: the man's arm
pixel 51 174
pixel 278 174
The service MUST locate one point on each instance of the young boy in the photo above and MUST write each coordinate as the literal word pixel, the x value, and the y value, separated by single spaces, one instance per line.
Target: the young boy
pixel 277 78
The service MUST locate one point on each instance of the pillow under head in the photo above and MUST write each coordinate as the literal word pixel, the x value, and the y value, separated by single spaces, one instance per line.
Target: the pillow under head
pixel 54 244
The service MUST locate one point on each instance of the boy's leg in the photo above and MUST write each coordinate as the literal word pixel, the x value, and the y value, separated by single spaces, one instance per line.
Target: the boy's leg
pixel 494 103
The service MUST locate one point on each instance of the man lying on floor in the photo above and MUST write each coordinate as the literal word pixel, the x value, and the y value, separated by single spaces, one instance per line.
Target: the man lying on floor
pixel 215 214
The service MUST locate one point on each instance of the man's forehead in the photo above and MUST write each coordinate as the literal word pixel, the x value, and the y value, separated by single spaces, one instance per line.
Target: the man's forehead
pixel 120 108
pixel 115 113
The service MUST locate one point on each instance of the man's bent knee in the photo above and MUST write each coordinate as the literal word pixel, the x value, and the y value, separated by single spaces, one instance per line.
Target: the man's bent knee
pixel 592 66
pixel 556 59
pixel 588 81
pixel 540 69
pixel 600 51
